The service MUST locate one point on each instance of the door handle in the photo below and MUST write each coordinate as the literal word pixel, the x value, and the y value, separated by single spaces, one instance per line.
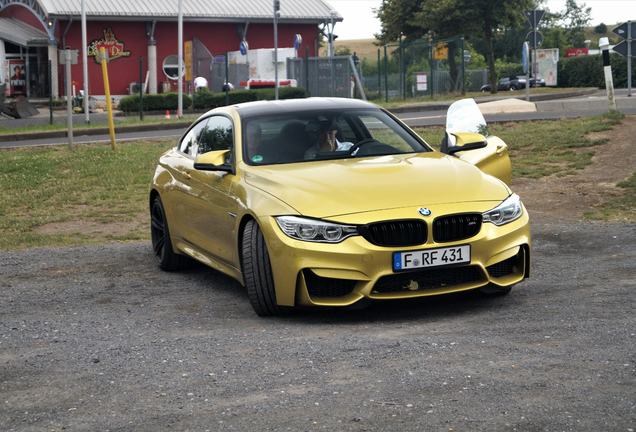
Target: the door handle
pixel 500 149
pixel 187 175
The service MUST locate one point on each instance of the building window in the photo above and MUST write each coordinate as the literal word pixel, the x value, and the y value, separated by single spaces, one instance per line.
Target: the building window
pixel 171 66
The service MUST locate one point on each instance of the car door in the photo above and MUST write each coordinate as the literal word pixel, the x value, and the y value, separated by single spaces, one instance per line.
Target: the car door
pixel 494 159
pixel 181 167
pixel 211 206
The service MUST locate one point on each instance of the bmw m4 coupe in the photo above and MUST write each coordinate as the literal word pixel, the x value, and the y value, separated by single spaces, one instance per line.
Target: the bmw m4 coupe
pixel 330 202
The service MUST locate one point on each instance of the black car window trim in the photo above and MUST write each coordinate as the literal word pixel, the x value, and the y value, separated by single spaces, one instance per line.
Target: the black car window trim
pixel 206 118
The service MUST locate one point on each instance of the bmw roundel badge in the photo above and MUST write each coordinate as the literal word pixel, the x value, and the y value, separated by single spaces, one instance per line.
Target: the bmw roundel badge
pixel 424 211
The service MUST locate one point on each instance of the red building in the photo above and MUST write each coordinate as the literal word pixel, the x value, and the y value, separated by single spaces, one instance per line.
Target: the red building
pixel 31 31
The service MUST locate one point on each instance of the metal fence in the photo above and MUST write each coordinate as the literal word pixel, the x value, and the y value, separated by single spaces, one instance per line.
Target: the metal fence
pixel 323 76
pixel 419 68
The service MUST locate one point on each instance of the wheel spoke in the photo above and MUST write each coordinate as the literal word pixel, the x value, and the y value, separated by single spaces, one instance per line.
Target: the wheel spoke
pixel 159 245
pixel 156 223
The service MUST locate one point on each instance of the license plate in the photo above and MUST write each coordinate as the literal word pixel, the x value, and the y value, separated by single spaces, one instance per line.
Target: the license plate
pixel 431 257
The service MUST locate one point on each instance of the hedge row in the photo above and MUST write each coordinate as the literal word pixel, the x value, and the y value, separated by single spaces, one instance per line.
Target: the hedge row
pixel 587 71
pixel 203 99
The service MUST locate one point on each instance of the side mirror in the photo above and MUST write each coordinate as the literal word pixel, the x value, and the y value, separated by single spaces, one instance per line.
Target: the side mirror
pixel 212 161
pixel 465 141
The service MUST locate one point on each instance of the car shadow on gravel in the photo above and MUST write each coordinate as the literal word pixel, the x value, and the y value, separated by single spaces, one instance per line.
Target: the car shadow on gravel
pixel 424 308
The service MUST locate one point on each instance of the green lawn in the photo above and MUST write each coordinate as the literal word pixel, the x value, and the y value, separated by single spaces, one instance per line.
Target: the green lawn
pixel 54 196
pixel 540 148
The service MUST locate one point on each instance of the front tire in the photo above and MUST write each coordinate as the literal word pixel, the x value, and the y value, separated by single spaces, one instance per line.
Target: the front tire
pixel 257 271
pixel 167 259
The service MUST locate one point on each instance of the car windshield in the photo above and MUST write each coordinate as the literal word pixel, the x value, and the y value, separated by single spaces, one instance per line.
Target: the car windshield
pixel 320 135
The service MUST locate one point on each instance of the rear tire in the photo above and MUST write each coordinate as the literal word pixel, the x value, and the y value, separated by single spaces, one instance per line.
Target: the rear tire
pixel 257 271
pixel 167 259
pixel 492 290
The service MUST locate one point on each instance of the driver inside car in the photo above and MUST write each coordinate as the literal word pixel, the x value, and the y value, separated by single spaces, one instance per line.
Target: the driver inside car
pixel 325 131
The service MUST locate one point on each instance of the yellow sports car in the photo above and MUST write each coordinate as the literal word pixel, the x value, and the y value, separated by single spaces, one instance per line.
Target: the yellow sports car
pixel 328 202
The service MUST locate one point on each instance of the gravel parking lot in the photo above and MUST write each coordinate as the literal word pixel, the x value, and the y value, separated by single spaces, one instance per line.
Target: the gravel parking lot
pixel 97 338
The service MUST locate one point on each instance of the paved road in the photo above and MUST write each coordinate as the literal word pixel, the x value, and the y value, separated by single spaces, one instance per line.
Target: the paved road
pixel 413 119
pixel 97 338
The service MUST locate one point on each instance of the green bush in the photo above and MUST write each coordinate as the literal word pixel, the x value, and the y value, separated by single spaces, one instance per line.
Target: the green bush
pixel 508 69
pixel 587 71
pixel 204 99
pixel 156 102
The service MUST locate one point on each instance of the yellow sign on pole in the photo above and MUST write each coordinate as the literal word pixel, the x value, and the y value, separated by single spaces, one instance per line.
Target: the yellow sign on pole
pixel 109 103
pixel 440 52
pixel 187 52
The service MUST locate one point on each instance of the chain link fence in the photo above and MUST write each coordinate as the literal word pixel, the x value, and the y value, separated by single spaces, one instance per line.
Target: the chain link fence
pixel 420 68
pixel 323 76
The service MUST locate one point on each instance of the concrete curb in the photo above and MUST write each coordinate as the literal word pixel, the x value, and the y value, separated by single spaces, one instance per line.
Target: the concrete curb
pixel 516 94
pixel 93 131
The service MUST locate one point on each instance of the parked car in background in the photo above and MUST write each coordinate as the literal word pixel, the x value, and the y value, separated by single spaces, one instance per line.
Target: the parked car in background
pixel 514 83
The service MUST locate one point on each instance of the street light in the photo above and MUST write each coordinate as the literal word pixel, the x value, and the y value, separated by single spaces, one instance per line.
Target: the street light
pixel 332 15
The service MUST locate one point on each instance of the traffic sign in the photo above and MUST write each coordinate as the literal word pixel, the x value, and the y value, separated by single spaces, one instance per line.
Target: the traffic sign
pixel 525 55
pixel 534 17
pixel 298 40
pixel 530 38
pixel 621 48
pixel 244 47
pixel 621 30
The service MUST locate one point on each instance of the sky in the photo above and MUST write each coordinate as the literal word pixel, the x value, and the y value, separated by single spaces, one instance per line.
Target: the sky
pixel 360 21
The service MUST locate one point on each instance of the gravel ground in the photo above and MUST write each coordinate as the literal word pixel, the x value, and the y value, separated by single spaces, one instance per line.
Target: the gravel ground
pixel 97 338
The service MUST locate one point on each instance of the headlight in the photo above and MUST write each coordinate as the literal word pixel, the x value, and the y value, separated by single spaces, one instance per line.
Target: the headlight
pixel 510 209
pixel 314 230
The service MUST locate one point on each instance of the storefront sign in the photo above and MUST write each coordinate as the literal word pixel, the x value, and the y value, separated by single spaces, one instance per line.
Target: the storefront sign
pixel 114 48
pixel 16 71
pixel 187 51
pixel 575 52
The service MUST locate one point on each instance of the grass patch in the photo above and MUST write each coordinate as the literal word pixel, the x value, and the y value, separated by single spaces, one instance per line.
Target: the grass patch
pixel 54 196
pixel 542 148
pixel 619 208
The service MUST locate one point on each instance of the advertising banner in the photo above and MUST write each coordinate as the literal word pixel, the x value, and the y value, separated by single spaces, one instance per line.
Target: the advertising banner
pixel 547 61
pixel 16 71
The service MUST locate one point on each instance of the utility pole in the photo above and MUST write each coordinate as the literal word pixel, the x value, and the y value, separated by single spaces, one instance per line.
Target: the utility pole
pixel 69 97
pixel 276 15
pixel 180 61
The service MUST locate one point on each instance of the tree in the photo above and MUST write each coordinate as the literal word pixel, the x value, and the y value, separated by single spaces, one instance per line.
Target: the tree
pixel 473 18
pixel 600 29
pixel 575 18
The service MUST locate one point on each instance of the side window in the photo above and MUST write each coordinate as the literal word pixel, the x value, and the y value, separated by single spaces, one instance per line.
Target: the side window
pixel 188 144
pixel 216 135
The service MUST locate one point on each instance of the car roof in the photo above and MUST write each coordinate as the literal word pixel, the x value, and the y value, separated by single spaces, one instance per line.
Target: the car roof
pixel 253 109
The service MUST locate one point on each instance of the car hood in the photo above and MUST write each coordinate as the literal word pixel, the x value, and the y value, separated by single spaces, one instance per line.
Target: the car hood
pixel 338 187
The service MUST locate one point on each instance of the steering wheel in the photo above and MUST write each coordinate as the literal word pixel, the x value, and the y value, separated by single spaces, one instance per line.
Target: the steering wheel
pixel 353 150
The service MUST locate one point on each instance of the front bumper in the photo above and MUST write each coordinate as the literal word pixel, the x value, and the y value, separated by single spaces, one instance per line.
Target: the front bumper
pixel 321 274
